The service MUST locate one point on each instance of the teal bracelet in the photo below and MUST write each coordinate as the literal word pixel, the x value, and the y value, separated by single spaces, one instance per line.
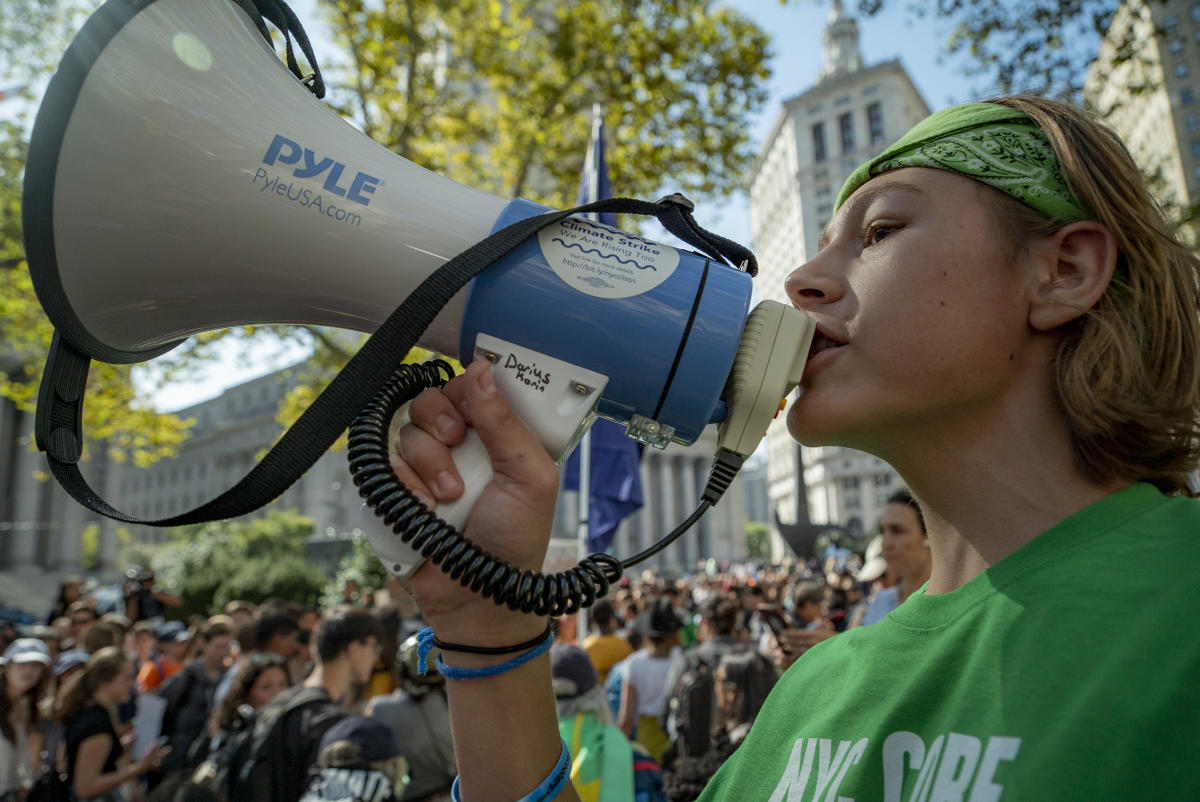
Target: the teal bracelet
pixel 549 787
pixel 453 672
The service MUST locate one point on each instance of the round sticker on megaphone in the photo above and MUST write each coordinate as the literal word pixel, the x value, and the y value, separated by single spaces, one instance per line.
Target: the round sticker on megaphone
pixel 603 261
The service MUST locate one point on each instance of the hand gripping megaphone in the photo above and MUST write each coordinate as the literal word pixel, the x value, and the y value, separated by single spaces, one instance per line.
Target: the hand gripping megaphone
pixel 180 179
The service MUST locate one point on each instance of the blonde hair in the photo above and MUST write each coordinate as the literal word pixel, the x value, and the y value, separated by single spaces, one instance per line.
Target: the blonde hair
pixel 1127 373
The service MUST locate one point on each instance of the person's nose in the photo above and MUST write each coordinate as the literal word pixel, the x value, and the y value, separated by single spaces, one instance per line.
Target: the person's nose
pixel 814 284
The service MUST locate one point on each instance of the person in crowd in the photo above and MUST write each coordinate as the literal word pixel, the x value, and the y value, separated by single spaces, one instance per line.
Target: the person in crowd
pixel 643 690
pixel 1006 317
pixel 742 680
pixel 70 590
pixel 347 643
pixel 189 696
pixel 720 622
pixel 98 636
pixel 240 611
pixel 23 677
pixel 87 710
pixel 806 626
pixel 82 616
pixel 905 548
pixel 606 766
pixel 418 716
pixel 170 646
pixel 275 632
pixel 144 600
pixel 256 682
pixel 360 761
pixel 65 666
pixel 604 646
pixel 140 643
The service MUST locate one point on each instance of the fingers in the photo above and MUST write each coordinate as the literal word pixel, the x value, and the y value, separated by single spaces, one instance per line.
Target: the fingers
pixel 422 458
pixel 516 454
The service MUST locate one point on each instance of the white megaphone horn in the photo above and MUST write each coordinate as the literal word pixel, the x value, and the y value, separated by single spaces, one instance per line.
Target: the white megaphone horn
pixel 181 180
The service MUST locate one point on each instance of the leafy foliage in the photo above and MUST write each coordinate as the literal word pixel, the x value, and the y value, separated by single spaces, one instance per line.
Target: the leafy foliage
pixel 758 540
pixel 253 559
pixel 361 566
pixel 499 95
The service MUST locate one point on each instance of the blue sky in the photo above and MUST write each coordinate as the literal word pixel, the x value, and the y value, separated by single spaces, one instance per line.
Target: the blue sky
pixel 796 28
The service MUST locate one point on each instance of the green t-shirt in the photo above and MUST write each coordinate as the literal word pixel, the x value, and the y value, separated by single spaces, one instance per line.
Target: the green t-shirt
pixel 1070 670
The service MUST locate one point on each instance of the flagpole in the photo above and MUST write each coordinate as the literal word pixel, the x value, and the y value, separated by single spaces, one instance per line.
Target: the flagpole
pixel 585 445
pixel 585 470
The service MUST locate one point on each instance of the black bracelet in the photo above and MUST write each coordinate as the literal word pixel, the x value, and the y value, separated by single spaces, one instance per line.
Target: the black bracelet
pixel 520 647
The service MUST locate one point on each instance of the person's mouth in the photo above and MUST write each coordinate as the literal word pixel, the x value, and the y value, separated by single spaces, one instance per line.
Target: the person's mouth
pixel 826 342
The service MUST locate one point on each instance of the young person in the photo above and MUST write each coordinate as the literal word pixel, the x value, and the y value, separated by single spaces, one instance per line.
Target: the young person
pixel 347 643
pixel 906 550
pixel 1006 317
pixel 87 709
pixel 24 673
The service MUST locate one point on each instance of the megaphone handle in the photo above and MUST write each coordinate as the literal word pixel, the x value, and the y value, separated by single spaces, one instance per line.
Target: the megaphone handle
pixel 553 398
pixel 418 534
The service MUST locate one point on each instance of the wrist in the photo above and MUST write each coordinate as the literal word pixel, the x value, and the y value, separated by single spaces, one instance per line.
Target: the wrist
pixel 483 624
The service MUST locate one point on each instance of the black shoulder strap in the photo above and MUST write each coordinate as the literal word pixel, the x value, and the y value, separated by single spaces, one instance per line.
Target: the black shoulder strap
pixel 59 430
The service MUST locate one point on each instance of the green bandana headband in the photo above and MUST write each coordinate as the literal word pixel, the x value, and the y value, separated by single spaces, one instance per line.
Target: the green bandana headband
pixel 994 144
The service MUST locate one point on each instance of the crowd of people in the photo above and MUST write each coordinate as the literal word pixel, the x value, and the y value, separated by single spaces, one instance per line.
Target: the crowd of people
pixel 278 701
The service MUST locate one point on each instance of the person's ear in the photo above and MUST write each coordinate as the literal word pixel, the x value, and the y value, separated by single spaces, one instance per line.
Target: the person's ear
pixel 1071 269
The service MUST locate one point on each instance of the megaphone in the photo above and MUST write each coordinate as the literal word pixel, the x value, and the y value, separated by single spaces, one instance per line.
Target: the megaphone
pixel 180 179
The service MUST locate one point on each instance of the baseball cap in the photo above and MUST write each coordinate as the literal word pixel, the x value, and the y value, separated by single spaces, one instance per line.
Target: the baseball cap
pixel 172 632
pixel 374 739
pixel 70 659
pixel 27 650
pixel 573 672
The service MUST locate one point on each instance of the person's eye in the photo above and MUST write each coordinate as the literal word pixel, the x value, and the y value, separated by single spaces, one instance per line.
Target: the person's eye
pixel 877 232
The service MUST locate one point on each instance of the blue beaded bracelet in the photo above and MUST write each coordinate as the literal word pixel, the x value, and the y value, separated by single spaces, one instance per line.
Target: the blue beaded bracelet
pixel 549 788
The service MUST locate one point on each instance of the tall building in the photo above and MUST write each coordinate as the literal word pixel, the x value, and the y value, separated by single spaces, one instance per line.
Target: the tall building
pixel 820 135
pixel 1145 83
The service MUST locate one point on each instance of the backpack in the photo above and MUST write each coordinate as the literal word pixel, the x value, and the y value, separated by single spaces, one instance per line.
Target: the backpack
pixel 689 716
pixel 252 758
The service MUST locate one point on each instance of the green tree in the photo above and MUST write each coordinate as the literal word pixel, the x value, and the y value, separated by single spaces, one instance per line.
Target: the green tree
pixel 361 566
pixel 499 95
pixel 758 541
pixel 252 559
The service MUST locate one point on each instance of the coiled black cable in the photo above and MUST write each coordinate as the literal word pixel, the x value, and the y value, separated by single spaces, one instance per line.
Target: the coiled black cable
pixel 526 591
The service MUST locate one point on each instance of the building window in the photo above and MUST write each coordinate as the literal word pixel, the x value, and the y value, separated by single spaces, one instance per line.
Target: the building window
pixel 842 101
pixel 1181 70
pixel 1176 45
pixel 1196 148
pixel 825 208
pixel 846 128
pixel 1170 24
pixel 1192 122
pixel 1187 96
pixel 824 190
pixel 870 90
pixel 818 141
pixel 882 479
pixel 875 123
pixel 849 482
pixel 815 108
pixel 1195 12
